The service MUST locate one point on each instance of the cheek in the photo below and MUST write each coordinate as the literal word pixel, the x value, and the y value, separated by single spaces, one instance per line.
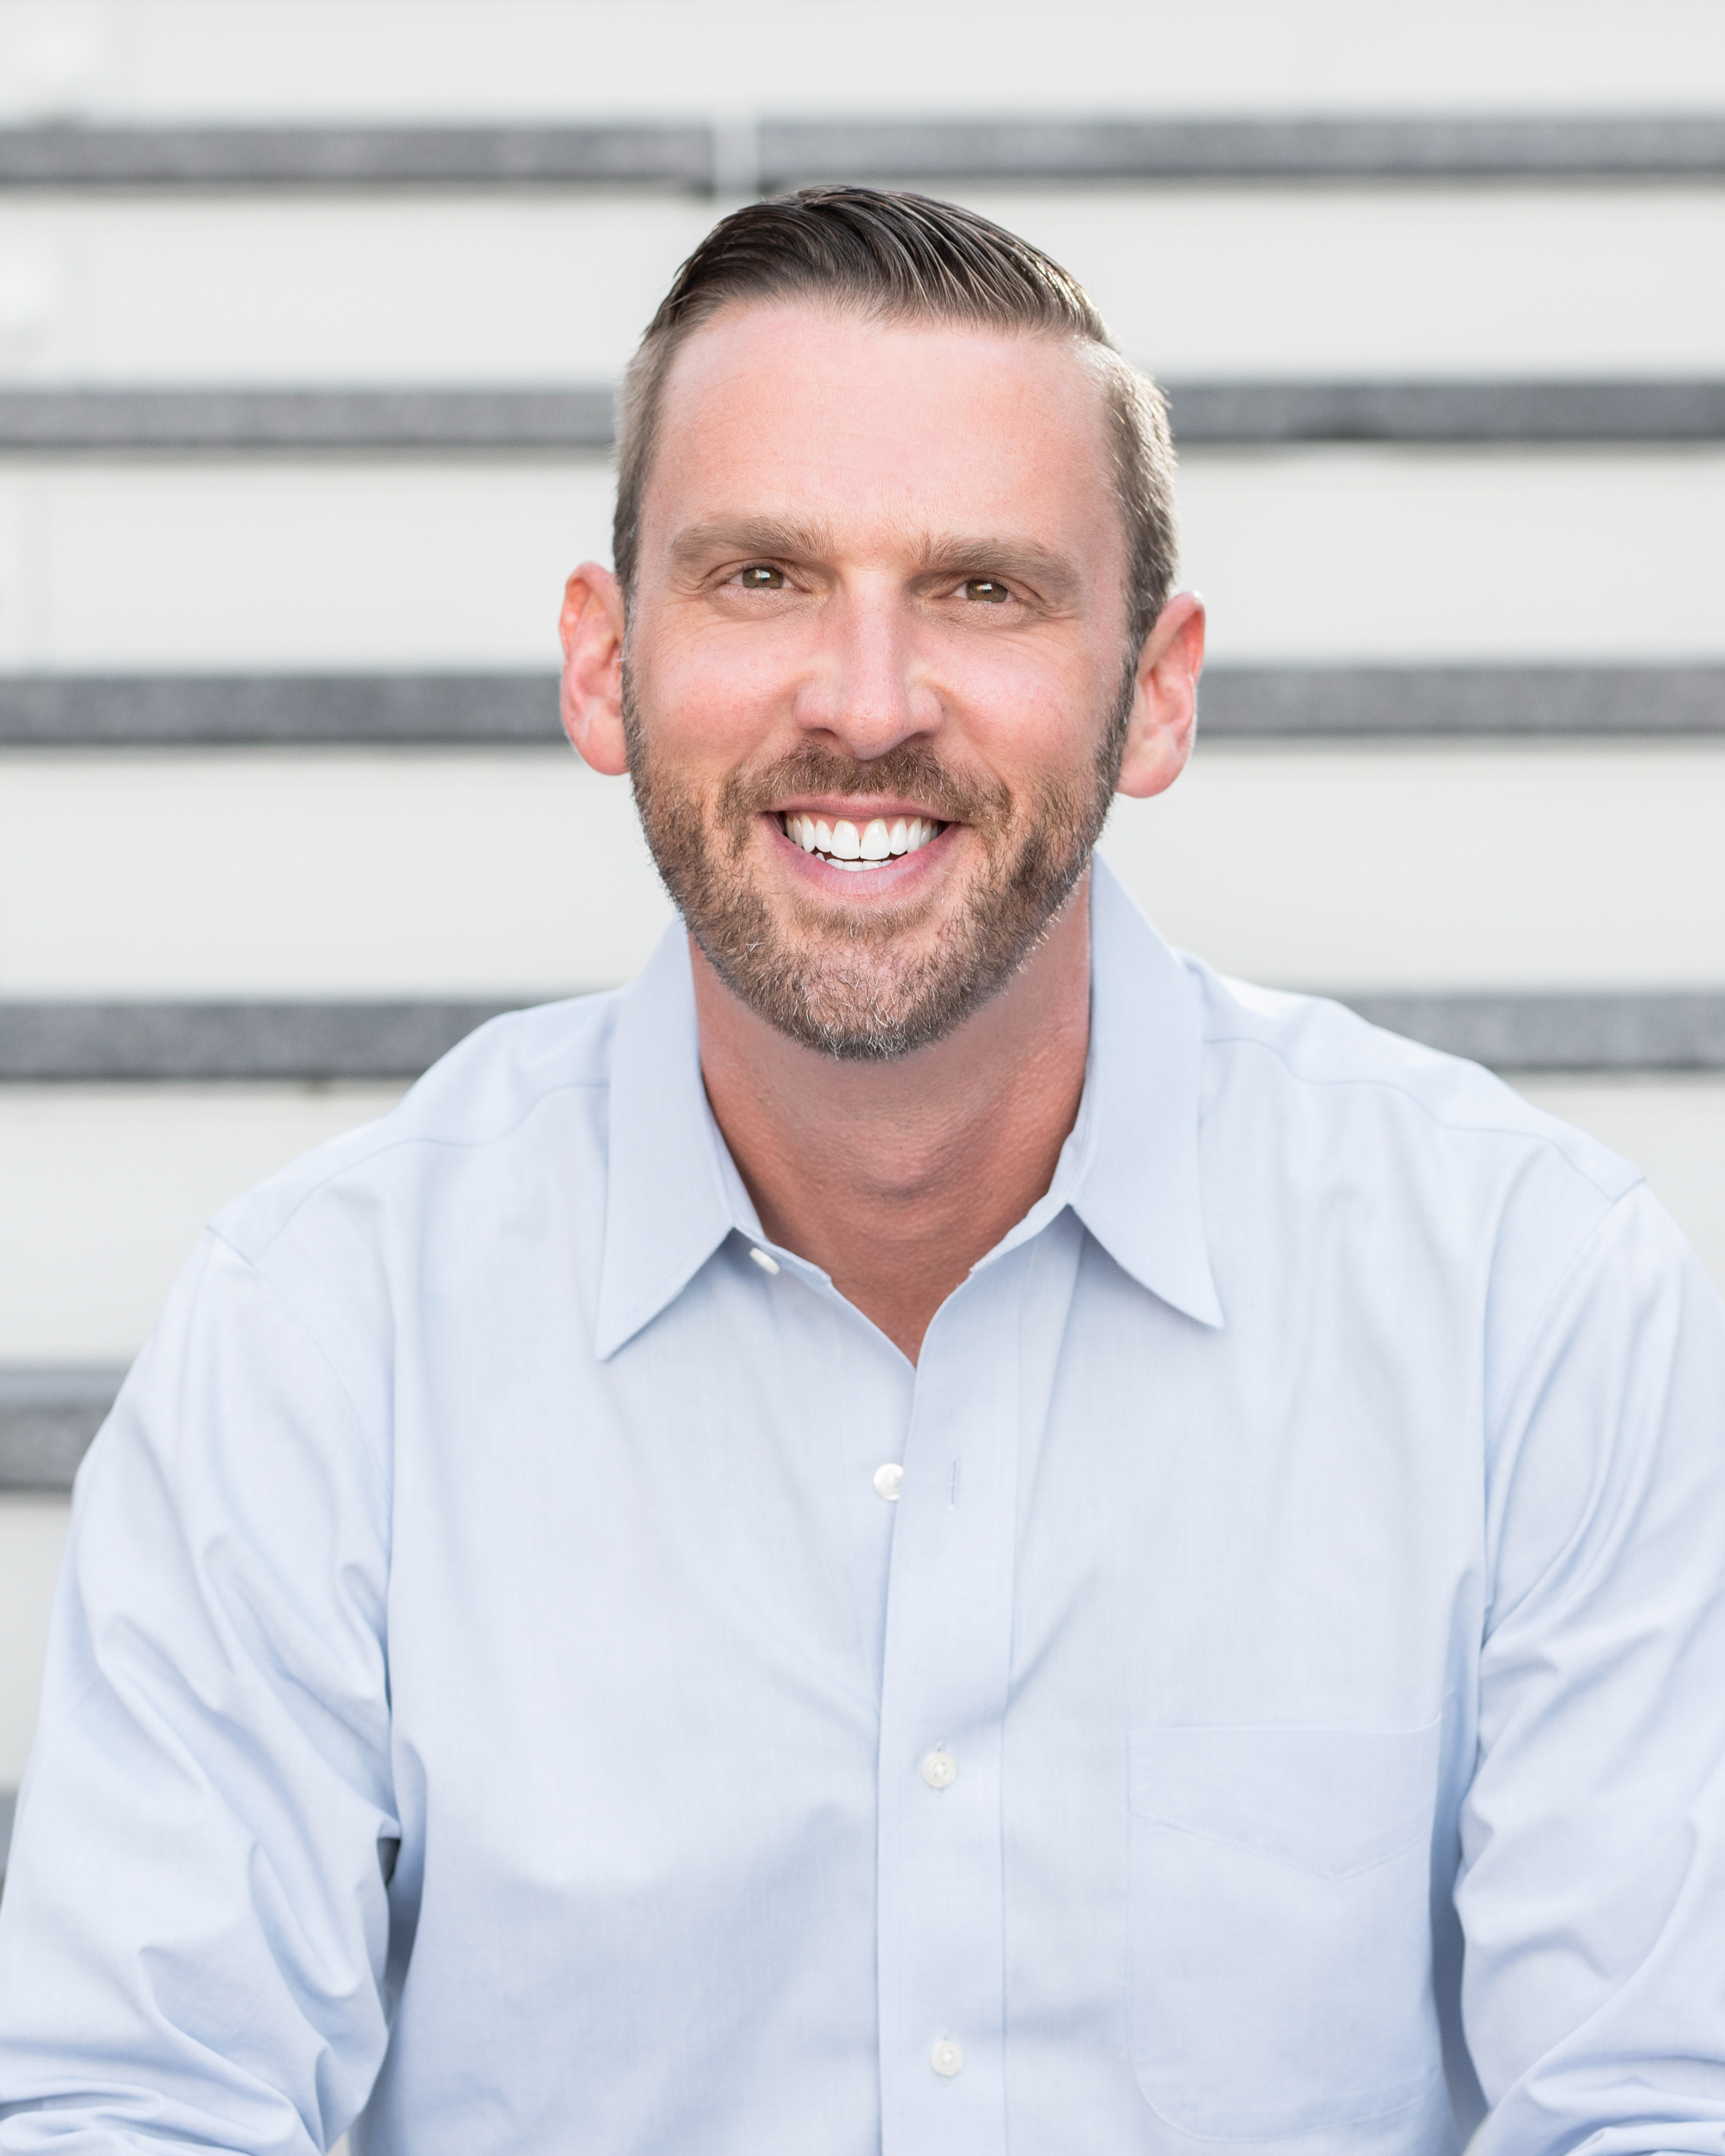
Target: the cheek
pixel 1033 721
pixel 709 704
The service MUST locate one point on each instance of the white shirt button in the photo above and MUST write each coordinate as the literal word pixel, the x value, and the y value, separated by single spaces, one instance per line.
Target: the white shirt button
pixel 947 2058
pixel 767 1264
pixel 940 1770
pixel 887 1479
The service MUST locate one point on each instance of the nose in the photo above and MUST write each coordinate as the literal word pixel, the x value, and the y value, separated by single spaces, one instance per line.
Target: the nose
pixel 867 690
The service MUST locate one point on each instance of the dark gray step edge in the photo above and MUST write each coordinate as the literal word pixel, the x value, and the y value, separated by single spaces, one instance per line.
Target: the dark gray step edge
pixel 651 154
pixel 225 419
pixel 48 1413
pixel 305 1042
pixel 1428 147
pixel 504 710
pixel 164 1042
pixel 781 151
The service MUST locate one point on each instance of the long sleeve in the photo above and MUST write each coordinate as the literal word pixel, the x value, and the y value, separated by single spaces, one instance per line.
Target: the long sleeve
pixel 1591 1890
pixel 194 1933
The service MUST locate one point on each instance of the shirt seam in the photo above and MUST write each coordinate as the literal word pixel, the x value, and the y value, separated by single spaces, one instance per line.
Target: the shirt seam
pixel 362 1422
pixel 399 1143
pixel 1491 1618
pixel 1404 1092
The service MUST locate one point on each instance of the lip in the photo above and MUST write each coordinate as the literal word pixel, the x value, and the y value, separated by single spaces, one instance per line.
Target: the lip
pixel 855 808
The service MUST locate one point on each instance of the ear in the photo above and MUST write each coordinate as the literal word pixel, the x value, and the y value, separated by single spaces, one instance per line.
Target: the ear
pixel 1165 702
pixel 591 626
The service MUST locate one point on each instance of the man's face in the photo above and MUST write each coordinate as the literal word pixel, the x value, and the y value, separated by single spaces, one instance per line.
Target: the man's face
pixel 875 661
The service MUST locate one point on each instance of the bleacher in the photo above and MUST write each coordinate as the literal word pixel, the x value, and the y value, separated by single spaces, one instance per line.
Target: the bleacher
pixel 309 311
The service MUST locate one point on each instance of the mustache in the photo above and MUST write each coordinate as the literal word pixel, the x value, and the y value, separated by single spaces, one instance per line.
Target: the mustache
pixel 911 772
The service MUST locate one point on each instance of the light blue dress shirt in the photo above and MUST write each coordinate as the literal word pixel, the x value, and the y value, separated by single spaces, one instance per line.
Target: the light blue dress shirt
pixel 1284 1708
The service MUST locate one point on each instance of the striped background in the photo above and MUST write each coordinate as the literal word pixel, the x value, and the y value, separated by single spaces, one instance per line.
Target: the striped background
pixel 308 313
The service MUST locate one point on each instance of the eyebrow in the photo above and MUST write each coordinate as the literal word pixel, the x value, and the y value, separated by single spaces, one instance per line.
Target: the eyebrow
pixel 1053 574
pixel 778 538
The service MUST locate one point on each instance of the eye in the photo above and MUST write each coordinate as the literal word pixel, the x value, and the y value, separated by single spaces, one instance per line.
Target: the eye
pixel 761 577
pixel 986 591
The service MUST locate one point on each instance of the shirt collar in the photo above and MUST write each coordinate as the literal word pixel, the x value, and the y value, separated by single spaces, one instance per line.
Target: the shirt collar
pixel 670 1200
pixel 1135 1180
pixel 1129 1170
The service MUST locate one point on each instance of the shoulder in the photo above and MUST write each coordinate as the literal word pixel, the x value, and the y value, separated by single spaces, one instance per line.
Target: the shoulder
pixel 1428 1183
pixel 478 1100
pixel 1308 1053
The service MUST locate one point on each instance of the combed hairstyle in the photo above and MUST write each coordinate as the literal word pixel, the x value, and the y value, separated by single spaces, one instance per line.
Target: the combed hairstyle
pixel 907 258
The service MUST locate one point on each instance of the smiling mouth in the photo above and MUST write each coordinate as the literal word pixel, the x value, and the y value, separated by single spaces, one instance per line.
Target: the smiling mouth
pixel 843 844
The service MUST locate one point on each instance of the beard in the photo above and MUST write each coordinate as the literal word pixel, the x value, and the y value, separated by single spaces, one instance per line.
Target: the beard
pixel 869 986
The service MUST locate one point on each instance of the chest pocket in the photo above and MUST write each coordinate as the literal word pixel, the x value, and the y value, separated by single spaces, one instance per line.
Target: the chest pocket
pixel 1279 1928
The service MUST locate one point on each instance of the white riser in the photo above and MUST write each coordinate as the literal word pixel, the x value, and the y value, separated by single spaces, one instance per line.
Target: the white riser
pixel 1340 554
pixel 284 872
pixel 1399 279
pixel 255 567
pixel 1398 555
pixel 1423 279
pixel 1439 867
pixel 171 59
pixel 261 872
pixel 509 288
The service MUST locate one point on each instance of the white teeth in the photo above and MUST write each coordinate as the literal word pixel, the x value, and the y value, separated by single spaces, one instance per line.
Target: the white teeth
pixel 846 847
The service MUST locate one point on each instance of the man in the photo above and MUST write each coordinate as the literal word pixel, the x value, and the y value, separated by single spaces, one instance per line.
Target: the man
pixel 932 1529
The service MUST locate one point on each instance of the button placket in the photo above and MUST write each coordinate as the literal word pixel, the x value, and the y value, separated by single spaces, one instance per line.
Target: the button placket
pixel 946 1666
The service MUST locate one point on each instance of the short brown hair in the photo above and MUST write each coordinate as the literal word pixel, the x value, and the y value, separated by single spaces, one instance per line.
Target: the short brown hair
pixel 904 257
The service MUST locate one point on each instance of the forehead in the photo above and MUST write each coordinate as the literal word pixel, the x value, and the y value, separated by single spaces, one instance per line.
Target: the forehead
pixel 791 408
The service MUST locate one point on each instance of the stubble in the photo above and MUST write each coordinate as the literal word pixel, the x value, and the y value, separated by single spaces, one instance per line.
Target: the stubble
pixel 868 985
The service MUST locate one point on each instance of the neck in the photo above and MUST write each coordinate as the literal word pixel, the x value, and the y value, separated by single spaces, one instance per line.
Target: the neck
pixel 896 1178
